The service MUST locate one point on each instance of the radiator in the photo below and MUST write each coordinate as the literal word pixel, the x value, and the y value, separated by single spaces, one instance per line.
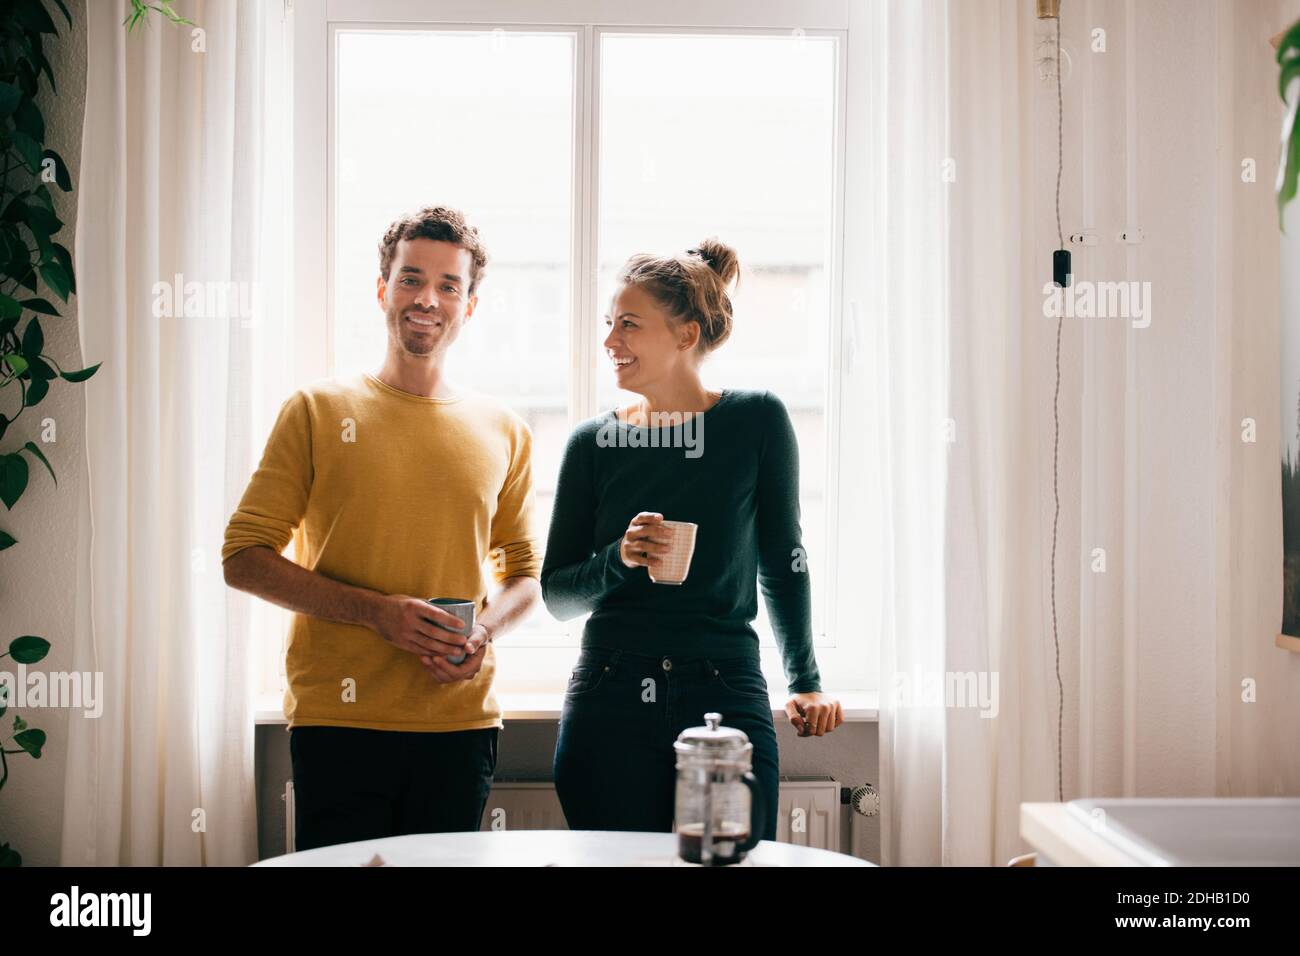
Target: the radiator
pixel 808 813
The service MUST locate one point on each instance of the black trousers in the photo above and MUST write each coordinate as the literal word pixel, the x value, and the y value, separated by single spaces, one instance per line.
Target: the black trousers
pixel 351 783
pixel 615 767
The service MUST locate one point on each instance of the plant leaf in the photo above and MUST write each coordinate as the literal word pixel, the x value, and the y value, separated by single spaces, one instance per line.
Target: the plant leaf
pixel 36 391
pixel 56 279
pixel 29 149
pixel 82 375
pixel 9 307
pixel 20 260
pixel 38 305
pixel 43 246
pixel 16 211
pixel 7 540
pixel 42 64
pixel 61 177
pixel 28 649
pixel 10 97
pixel 17 363
pixel 13 479
pixel 1288 82
pixel 38 217
pixel 28 81
pixel 1288 174
pixel 40 369
pixel 42 193
pixel 64 258
pixel 35 450
pixel 1290 69
pixel 33 340
pixel 32 741
pixel 31 14
pixel 28 118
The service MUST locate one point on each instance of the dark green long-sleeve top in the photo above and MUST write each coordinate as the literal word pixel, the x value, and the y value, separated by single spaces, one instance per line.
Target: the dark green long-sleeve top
pixel 734 471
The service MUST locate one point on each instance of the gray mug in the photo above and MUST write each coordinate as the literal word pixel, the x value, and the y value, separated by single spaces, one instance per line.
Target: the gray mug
pixel 462 609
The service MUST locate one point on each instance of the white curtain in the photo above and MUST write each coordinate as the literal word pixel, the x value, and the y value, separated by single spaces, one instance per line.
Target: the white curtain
pixel 1166 561
pixel 1000 501
pixel 181 179
pixel 968 690
pixel 971 603
pixel 902 281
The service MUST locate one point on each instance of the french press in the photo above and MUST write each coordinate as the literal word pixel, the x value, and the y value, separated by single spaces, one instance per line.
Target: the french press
pixel 719 805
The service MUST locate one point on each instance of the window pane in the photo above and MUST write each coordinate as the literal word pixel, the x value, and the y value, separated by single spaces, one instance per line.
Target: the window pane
pixel 489 132
pixel 735 140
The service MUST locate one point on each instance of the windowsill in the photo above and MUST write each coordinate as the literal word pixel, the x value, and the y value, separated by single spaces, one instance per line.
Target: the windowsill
pixel 860 706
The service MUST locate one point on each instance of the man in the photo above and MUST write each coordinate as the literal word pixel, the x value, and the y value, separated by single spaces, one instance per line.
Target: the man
pixel 396 488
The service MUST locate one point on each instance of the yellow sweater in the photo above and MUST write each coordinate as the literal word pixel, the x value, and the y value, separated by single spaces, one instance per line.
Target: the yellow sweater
pixel 401 494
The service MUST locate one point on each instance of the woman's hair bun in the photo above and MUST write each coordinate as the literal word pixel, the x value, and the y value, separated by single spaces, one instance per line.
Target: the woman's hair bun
pixel 690 286
pixel 721 258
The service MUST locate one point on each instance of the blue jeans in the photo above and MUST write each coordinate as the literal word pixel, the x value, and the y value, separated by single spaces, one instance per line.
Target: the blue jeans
pixel 615 767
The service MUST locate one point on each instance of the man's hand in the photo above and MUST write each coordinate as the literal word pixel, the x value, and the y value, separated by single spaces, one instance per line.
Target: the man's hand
pixel 412 624
pixel 814 715
pixel 445 672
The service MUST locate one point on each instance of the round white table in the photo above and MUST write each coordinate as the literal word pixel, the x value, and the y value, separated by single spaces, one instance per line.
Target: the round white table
pixel 541 848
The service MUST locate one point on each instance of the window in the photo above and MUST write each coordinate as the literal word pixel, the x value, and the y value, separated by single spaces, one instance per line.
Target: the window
pixel 737 139
pixel 572 146
pixel 497 144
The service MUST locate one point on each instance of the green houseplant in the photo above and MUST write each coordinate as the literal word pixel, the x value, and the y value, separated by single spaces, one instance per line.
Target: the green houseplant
pixel 1288 59
pixel 30 254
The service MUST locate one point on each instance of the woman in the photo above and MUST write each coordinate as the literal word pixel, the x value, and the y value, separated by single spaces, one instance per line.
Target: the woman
pixel 655 658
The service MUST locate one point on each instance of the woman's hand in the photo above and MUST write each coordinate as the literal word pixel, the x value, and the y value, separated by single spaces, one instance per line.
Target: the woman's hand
pixel 814 714
pixel 645 542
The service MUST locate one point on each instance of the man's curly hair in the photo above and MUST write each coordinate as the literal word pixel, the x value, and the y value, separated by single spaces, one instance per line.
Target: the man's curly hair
pixel 435 222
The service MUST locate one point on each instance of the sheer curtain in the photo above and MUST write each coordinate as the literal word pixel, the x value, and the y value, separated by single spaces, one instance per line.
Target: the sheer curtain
pixel 901 279
pixel 967 688
pixel 180 196
pixel 1000 500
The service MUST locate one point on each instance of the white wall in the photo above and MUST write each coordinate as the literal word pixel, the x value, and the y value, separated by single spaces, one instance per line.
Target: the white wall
pixel 1260 752
pixel 1137 413
pixel 1152 456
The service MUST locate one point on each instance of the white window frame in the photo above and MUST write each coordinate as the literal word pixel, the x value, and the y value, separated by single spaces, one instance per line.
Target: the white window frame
pixel 847 659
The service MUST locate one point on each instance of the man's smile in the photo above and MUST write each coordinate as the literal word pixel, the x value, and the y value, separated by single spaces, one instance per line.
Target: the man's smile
pixel 422 322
